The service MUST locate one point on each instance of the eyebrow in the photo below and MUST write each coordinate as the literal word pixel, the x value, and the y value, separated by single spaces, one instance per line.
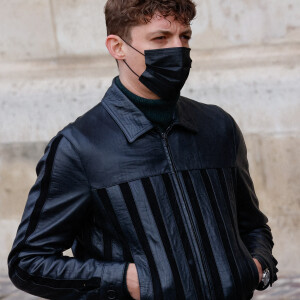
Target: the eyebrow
pixel 188 31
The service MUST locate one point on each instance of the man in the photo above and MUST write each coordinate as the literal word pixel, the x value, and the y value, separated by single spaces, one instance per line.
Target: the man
pixel 150 189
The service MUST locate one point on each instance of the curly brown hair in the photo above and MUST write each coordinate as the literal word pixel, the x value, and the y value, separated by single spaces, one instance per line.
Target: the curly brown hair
pixel 121 15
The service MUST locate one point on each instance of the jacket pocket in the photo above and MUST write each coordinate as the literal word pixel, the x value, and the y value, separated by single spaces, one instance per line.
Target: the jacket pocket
pixel 254 275
pixel 251 274
pixel 255 272
pixel 144 277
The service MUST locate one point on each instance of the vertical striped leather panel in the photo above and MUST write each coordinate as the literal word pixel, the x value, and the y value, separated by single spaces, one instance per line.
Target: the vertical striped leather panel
pixel 229 181
pixel 177 237
pixel 148 213
pixel 192 260
pixel 211 193
pixel 143 240
pixel 137 203
pixel 122 207
pixel 208 255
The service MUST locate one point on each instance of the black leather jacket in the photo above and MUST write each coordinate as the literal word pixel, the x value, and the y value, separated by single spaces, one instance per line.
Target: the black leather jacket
pixel 179 204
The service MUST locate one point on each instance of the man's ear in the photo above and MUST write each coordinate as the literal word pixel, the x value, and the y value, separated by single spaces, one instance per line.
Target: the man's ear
pixel 115 46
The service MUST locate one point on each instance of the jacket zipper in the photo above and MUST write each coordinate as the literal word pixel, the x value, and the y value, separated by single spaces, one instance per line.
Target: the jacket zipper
pixel 173 168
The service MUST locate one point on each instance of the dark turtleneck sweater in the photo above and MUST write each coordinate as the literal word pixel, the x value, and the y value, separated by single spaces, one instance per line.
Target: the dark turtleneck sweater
pixel 159 111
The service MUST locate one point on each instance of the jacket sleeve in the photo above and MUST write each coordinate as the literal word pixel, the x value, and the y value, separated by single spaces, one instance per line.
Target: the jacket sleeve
pixel 253 228
pixel 56 207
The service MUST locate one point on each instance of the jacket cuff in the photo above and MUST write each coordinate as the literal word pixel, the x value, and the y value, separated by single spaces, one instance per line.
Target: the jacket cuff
pixel 111 286
pixel 269 262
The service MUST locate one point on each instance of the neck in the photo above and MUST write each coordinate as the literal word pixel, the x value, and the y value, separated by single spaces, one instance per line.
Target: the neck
pixel 136 87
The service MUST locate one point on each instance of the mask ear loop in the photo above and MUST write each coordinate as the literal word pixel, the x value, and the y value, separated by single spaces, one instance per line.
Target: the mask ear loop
pixel 125 60
pixel 132 47
pixel 130 68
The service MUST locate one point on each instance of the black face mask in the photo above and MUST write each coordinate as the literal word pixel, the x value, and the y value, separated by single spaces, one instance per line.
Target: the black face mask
pixel 167 70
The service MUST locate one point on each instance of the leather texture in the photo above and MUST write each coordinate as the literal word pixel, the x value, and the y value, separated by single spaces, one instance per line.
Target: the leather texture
pixel 181 205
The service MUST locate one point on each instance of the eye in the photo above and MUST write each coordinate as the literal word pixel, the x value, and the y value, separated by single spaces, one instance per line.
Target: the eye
pixel 186 37
pixel 160 38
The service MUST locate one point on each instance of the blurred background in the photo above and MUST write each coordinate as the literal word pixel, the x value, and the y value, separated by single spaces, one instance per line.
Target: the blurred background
pixel 54 66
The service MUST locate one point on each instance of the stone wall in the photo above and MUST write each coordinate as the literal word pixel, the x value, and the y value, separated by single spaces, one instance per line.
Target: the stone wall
pixel 246 58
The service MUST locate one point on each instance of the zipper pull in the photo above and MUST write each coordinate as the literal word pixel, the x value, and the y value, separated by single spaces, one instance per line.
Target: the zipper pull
pixel 159 130
pixel 164 134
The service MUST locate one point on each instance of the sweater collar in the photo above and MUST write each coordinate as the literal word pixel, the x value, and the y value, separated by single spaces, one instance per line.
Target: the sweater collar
pixel 132 121
pixel 158 111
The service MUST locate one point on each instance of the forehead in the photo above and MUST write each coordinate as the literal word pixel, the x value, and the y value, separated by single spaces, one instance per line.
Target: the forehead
pixel 159 22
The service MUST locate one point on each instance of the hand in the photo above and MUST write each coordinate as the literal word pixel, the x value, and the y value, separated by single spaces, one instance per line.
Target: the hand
pixel 132 282
pixel 259 268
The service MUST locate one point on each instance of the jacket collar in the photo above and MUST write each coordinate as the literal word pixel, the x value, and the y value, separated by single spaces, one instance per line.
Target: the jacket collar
pixel 132 121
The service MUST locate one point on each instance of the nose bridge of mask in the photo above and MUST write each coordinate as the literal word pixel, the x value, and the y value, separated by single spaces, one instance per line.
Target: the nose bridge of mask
pixel 176 56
